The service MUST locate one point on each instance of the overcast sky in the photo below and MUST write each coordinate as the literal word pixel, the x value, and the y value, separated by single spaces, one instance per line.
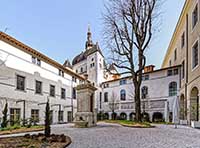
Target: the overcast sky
pixel 58 28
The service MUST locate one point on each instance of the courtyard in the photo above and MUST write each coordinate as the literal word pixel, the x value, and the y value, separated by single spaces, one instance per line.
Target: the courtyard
pixel 107 135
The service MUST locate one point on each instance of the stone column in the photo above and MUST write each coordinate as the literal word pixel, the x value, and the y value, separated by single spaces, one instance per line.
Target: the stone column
pixel 86 113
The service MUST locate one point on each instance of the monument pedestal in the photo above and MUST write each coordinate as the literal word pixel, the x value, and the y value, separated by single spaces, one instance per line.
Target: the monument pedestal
pixel 86 114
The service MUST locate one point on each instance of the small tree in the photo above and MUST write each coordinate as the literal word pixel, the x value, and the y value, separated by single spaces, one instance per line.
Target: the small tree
pixel 47 120
pixel 113 104
pixel 5 114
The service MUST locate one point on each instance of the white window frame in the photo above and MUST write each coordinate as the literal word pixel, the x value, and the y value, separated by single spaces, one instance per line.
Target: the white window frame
pixel 193 68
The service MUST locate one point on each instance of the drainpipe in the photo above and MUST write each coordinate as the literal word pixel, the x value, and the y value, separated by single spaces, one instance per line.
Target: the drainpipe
pixel 186 62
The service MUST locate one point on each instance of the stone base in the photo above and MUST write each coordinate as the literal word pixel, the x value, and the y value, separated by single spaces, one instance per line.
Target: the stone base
pixel 85 119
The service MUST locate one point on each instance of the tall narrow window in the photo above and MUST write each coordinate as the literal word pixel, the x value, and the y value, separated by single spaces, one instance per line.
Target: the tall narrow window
pixel 35 115
pixel 33 60
pixel 175 54
pixel 183 40
pixel 195 16
pixel 183 69
pixel 123 95
pixel 60 116
pixel 173 89
pixel 20 82
pixel 38 62
pixel 52 90
pixel 100 100
pixel 38 87
pixel 144 92
pixel 74 93
pixel 81 69
pixel 14 115
pixel 106 97
pixel 195 55
pixel 63 93
pixel 170 63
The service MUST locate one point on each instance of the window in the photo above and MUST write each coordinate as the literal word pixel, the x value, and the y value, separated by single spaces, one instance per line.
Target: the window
pixel 74 93
pixel 122 82
pixel 183 40
pixel 92 65
pixel 38 87
pixel 169 72
pixel 33 60
pixel 170 63
pixel 60 116
pixel 175 54
pixel 52 90
pixel 63 93
pixel 173 89
pixel 195 16
pixel 195 55
pixel 35 115
pixel 61 73
pixel 123 95
pixel 106 97
pixel 76 70
pixel 20 82
pixel 14 115
pixel 38 62
pixel 106 85
pixel 73 79
pixel 81 69
pixel 144 92
pixel 145 77
pixel 175 71
pixel 100 100
pixel 183 69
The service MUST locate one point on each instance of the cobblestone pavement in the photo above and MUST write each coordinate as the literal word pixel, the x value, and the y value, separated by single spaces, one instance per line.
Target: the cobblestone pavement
pixel 115 136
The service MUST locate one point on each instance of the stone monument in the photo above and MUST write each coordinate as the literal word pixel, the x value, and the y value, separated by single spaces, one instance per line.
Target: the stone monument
pixel 86 115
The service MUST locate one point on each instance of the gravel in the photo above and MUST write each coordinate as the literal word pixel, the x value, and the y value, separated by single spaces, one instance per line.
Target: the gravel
pixel 115 136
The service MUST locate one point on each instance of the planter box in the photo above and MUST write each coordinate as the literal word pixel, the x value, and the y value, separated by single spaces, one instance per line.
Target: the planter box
pixel 195 124
pixel 183 122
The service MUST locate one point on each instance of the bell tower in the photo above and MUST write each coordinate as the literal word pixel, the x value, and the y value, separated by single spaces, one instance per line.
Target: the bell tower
pixel 89 43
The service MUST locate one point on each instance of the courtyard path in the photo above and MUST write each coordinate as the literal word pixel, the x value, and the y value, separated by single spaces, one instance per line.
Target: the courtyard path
pixel 115 136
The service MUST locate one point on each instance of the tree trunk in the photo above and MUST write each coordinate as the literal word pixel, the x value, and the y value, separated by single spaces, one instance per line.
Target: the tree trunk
pixel 137 104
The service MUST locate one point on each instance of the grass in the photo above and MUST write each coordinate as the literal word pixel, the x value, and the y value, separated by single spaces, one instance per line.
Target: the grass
pixel 131 123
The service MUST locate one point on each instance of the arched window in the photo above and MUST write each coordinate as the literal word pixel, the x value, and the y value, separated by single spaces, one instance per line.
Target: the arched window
pixel 144 92
pixel 123 95
pixel 173 89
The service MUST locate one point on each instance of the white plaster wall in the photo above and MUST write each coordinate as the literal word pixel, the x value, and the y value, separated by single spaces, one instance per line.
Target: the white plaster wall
pixel 19 62
pixel 158 93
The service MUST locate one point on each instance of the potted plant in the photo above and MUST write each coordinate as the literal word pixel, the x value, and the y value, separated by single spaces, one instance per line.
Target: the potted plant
pixel 194 124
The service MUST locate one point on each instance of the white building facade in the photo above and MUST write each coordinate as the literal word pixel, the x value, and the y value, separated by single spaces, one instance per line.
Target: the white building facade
pixel 158 90
pixel 28 78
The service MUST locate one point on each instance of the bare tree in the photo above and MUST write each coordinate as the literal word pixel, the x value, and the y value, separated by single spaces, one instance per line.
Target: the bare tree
pixel 128 32
pixel 113 103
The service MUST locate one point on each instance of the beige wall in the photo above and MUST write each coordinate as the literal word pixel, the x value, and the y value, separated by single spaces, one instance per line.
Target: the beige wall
pixel 193 36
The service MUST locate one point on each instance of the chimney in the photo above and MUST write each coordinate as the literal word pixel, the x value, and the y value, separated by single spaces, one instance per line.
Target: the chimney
pixel 149 68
